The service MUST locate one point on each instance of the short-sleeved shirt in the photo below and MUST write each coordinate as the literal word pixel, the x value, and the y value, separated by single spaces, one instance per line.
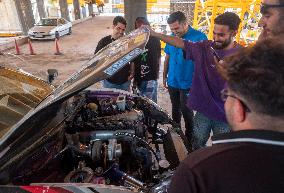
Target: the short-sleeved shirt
pixel 247 161
pixel 204 95
pixel 147 64
pixel 180 70
pixel 122 75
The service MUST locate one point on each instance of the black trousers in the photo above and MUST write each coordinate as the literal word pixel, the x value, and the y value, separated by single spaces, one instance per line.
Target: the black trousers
pixel 178 100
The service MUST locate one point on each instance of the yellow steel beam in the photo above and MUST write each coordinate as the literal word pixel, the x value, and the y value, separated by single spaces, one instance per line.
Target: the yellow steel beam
pixel 160 4
pixel 82 2
pixel 206 11
pixel 10 34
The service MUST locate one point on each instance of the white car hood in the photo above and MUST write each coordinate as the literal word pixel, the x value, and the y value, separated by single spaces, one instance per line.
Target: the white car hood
pixel 44 29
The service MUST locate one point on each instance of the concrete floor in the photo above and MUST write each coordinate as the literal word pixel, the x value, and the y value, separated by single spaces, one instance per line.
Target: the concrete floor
pixel 4 40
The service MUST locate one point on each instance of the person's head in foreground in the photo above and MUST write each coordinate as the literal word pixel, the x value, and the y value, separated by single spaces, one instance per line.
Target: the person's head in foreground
pixel 255 94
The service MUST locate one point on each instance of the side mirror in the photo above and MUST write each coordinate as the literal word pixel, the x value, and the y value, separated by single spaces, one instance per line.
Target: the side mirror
pixel 51 75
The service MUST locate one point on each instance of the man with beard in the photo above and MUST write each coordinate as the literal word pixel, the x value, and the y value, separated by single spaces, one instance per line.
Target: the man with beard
pixel 204 96
pixel 120 80
pixel 272 19
pixel 250 159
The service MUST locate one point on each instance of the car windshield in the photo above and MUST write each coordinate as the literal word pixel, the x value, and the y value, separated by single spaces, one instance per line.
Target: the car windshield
pixel 48 22
pixel 19 94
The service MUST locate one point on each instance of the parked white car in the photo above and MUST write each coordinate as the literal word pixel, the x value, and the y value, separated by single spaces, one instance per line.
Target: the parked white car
pixel 50 28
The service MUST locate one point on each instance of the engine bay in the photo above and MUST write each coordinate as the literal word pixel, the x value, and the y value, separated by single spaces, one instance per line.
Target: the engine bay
pixel 117 139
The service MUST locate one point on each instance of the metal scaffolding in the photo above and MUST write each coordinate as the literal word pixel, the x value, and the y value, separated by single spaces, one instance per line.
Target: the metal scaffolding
pixel 249 11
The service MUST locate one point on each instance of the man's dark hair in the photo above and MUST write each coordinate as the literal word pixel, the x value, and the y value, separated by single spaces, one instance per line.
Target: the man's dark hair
pixel 257 75
pixel 281 10
pixel 229 19
pixel 176 16
pixel 141 21
pixel 119 19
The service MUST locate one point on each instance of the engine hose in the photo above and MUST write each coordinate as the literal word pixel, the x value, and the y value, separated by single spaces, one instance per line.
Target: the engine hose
pixel 141 140
pixel 117 175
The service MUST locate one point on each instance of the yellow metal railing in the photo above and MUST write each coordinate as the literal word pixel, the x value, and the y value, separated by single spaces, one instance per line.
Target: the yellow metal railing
pixel 82 2
pixel 10 34
pixel 151 4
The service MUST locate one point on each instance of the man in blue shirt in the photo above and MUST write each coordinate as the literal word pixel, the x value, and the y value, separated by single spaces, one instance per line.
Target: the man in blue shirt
pixel 178 72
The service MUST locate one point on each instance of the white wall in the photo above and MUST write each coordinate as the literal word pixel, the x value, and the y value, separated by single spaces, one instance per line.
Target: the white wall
pixel 8 16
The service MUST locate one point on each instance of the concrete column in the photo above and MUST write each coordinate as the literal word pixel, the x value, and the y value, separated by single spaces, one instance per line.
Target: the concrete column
pixel 133 9
pixel 41 8
pixel 25 14
pixel 64 9
pixel 76 5
pixel 90 8
pixel 9 16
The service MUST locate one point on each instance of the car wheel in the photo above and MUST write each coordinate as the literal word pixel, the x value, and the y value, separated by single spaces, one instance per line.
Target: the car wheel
pixel 57 35
pixel 174 149
pixel 70 31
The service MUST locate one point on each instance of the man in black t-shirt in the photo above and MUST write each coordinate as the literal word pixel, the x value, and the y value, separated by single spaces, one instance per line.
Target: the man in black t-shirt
pixel 120 80
pixel 147 65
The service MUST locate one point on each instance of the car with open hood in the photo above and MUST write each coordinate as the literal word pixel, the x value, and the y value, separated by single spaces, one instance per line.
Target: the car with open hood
pixel 72 138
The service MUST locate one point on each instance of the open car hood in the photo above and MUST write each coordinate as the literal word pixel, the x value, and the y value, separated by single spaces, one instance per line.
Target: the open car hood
pixel 103 65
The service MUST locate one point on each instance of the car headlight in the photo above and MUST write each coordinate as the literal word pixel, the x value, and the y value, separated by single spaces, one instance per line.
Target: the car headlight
pixel 30 32
pixel 51 32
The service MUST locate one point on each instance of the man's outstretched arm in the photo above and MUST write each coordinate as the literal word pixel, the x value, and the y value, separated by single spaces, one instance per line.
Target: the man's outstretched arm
pixel 172 40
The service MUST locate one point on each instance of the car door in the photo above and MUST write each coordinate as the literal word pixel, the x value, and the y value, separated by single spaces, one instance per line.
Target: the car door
pixel 64 27
pixel 59 28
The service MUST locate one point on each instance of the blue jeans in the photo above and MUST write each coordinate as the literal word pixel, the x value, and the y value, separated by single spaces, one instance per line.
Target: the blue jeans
pixel 149 89
pixel 124 86
pixel 202 127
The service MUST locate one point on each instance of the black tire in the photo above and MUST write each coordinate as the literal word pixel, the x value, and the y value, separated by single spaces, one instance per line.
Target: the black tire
pixel 70 31
pixel 174 149
pixel 170 152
